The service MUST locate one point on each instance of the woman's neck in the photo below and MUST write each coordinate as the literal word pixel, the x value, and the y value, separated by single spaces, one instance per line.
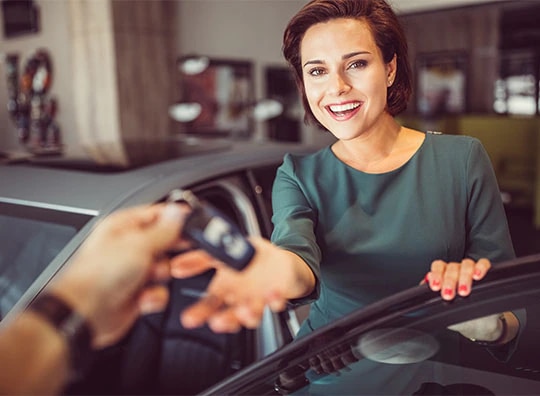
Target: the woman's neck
pixel 381 150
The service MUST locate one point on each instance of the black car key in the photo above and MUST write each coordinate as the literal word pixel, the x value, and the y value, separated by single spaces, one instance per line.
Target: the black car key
pixel 211 231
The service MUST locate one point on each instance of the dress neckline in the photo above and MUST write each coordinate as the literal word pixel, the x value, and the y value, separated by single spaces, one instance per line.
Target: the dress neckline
pixel 397 169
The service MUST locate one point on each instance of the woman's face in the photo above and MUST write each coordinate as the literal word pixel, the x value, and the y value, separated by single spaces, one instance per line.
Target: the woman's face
pixel 345 77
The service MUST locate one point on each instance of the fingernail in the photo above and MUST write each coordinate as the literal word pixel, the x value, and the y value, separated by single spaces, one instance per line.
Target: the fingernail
pixel 426 279
pixel 448 291
pixel 477 273
pixel 435 283
pixel 463 289
pixel 172 212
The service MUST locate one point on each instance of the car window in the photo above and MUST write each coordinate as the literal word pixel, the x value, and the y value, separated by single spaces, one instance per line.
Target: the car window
pixel 405 347
pixel 418 361
pixel 30 239
pixel 262 180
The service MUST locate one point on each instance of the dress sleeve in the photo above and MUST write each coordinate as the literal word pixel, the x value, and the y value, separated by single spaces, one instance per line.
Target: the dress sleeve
pixel 294 222
pixel 487 226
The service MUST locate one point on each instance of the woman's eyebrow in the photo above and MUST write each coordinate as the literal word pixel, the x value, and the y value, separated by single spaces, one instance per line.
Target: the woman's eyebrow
pixel 344 57
pixel 353 54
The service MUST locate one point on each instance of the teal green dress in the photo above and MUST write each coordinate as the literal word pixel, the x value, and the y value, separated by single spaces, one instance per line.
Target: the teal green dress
pixel 367 236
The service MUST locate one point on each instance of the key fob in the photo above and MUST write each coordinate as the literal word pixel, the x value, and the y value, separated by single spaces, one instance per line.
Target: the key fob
pixel 211 231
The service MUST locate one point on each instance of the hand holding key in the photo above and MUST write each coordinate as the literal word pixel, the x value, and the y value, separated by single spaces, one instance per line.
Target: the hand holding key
pixel 251 274
pixel 211 231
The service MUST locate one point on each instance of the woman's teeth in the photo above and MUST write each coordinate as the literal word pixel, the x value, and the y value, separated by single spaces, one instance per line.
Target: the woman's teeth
pixel 343 108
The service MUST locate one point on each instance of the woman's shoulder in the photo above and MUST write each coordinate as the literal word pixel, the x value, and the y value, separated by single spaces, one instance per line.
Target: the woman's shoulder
pixel 302 161
pixel 453 143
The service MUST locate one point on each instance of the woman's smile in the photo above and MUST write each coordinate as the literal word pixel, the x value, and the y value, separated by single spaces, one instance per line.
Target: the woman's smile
pixel 344 111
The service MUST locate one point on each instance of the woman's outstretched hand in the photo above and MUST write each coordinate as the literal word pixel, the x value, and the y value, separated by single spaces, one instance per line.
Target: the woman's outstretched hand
pixel 455 278
pixel 236 299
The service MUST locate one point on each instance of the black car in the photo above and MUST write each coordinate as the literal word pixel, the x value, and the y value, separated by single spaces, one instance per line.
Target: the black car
pixel 401 345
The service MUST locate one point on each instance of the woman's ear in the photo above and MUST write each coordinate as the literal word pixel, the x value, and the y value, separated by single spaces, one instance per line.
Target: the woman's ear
pixel 391 68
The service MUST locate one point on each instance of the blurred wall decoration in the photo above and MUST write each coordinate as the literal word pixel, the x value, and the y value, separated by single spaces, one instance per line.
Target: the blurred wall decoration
pixel 441 83
pixel 280 85
pixel 223 89
pixel 20 17
pixel 29 105
pixel 217 98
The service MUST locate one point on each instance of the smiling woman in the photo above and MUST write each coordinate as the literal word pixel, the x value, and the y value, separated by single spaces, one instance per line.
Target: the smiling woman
pixel 341 215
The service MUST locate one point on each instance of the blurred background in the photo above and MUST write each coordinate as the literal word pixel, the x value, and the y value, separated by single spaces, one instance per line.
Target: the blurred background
pixel 91 79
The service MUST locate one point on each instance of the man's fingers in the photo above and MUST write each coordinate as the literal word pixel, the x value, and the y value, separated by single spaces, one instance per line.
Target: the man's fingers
pixel 153 299
pixel 160 272
pixel 166 229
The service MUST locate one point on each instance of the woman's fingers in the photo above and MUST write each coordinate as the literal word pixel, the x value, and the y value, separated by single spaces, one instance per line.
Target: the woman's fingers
pixel 449 281
pixel 199 313
pixel 465 277
pixel 454 278
pixel 192 263
pixel 481 268
pixel 435 276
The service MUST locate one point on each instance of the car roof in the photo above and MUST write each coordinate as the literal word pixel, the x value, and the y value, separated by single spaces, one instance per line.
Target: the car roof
pixel 53 190
pixel 97 192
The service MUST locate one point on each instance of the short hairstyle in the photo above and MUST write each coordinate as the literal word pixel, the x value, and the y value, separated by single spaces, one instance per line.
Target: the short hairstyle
pixel 387 32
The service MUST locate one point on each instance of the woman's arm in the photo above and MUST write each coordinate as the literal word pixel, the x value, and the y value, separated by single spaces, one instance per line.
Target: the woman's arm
pixel 234 299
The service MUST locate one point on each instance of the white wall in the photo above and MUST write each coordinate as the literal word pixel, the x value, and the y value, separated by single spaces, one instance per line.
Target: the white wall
pixel 243 29
pixel 54 36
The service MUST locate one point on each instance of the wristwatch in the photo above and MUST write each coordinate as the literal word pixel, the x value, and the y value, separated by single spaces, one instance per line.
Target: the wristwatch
pixel 72 326
pixel 499 339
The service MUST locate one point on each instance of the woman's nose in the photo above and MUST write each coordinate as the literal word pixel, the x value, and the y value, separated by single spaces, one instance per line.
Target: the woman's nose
pixel 338 84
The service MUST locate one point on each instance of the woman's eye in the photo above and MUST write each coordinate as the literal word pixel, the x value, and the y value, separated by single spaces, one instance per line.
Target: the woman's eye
pixel 358 64
pixel 316 72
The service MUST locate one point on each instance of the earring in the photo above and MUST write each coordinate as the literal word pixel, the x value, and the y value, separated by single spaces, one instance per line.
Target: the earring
pixel 390 82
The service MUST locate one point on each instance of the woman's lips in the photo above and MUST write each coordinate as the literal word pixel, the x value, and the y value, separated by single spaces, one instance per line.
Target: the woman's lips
pixel 343 111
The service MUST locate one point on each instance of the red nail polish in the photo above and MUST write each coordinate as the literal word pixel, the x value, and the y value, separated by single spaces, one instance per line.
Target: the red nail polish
pixel 463 288
pixel 477 272
pixel 435 283
pixel 448 291
pixel 427 278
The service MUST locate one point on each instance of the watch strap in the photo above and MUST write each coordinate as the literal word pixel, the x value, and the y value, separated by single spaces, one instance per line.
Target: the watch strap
pixel 500 339
pixel 71 325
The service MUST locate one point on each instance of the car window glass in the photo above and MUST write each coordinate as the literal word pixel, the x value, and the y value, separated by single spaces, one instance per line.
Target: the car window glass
pixel 26 248
pixel 421 359
pixel 403 345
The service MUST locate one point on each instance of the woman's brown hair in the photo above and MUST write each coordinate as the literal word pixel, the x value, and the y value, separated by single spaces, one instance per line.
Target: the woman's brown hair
pixel 386 30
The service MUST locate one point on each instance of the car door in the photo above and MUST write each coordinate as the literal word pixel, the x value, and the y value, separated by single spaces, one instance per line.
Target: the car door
pixel 402 345
pixel 159 356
